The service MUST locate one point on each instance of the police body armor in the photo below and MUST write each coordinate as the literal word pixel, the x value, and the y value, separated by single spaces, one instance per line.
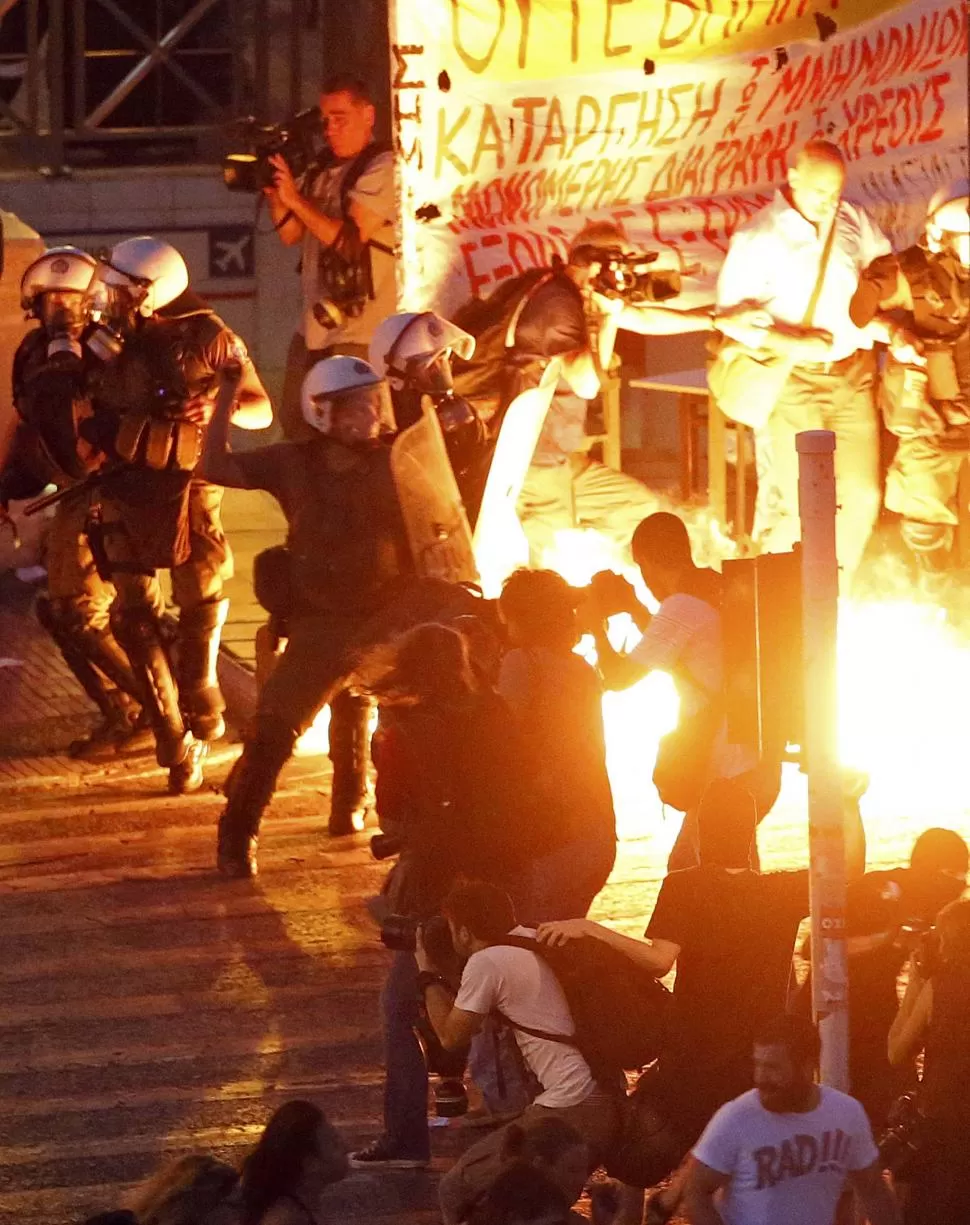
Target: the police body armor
pixel 144 390
pixel 50 398
pixel 347 539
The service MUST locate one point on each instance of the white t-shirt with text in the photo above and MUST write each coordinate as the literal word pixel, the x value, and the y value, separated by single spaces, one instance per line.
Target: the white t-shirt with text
pixel 521 986
pixel 785 1169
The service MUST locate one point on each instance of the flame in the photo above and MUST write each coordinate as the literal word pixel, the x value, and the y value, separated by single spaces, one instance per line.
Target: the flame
pixel 904 677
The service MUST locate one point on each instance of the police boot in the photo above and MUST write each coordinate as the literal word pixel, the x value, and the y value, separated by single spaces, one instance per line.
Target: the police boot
pixel 931 547
pixel 101 669
pixel 350 754
pixel 199 631
pixel 249 788
pixel 139 632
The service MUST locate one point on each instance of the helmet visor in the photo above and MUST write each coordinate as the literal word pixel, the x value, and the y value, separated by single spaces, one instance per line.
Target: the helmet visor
pixel 358 415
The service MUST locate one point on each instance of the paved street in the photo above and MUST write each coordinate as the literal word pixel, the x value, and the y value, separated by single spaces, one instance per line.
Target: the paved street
pixel 149 1009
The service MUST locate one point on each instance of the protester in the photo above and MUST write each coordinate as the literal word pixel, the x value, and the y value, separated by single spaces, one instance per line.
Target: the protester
pixel 774 261
pixel 731 933
pixel 341 215
pixel 518 984
pixel 557 699
pixel 522 1195
pixel 935 1017
pixel 195 1190
pixel 887 914
pixel 683 639
pixel 786 1150
pixel 297 1157
pixel 452 784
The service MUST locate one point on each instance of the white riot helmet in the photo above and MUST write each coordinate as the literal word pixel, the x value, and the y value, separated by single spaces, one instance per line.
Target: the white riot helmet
pixel 948 220
pixel 151 271
pixel 413 350
pixel 64 269
pixel 346 399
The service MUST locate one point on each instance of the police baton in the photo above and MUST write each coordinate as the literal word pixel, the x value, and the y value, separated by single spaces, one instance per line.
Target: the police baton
pixel 52 499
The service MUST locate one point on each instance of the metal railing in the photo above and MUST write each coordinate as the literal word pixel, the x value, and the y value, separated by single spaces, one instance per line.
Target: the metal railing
pixel 105 81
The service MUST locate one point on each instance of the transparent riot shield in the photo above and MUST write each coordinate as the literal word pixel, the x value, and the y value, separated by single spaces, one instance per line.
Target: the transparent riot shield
pixel 500 543
pixel 434 515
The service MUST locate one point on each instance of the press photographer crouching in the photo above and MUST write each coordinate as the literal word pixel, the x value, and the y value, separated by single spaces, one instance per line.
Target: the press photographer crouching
pixel 452 794
pixel 935 1017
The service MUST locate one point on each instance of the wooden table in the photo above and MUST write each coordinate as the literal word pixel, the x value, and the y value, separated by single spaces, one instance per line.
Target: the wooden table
pixel 694 408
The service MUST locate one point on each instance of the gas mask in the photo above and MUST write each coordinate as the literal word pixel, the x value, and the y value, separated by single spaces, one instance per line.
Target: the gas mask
pixel 63 314
pixel 114 309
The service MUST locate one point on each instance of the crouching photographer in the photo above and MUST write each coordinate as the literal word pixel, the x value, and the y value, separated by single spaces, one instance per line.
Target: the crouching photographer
pixel 934 1017
pixel 451 792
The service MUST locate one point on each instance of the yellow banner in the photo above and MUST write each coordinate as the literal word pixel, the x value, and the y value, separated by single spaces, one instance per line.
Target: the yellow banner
pixel 519 40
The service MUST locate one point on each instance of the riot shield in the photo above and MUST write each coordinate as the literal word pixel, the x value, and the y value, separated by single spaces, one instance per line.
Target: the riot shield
pixel 434 515
pixel 500 543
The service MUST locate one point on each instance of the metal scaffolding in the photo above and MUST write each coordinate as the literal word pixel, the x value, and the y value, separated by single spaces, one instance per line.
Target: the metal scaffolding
pixel 87 82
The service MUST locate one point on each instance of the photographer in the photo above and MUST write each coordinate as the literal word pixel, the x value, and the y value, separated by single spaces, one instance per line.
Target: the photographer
pixel 887 914
pixel 341 212
pixel 518 984
pixel 573 311
pixel 935 1017
pixel 450 785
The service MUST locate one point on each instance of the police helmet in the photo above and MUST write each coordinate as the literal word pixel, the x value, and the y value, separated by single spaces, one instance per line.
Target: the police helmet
pixel 338 381
pixel 66 269
pixel 405 347
pixel 150 269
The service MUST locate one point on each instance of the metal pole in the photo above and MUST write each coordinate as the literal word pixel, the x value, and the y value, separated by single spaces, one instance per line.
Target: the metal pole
pixel 820 597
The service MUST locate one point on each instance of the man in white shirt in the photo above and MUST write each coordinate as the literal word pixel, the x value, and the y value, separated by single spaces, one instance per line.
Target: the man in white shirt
pixel 785 1150
pixel 773 262
pixel 520 986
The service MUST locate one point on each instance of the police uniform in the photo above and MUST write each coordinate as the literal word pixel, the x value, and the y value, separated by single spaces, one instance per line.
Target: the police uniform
pixel 157 514
pixel 49 394
pixel 927 409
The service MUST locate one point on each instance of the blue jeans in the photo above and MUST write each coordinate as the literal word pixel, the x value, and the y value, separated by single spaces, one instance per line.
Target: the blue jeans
pixel 405 1072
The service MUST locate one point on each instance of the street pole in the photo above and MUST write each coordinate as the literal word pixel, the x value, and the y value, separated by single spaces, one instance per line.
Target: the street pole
pixel 826 828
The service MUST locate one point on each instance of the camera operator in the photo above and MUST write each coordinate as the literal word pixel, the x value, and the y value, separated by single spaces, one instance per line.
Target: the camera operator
pixel 452 788
pixel 166 355
pixel 341 212
pixel 573 311
pixel 520 985
pixel 935 1017
pixel 887 914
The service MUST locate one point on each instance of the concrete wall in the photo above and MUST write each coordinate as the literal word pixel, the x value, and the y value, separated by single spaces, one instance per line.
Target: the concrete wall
pixel 182 205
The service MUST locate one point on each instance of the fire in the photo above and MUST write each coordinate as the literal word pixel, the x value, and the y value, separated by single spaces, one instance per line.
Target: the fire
pixel 904 676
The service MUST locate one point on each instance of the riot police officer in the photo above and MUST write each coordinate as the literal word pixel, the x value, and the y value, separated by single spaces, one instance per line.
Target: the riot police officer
pixel 168 351
pixel 923 296
pixel 49 375
pixel 347 578
pixel 413 352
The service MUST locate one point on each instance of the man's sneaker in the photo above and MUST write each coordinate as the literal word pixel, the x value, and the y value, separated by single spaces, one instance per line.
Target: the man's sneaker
pixel 380 1155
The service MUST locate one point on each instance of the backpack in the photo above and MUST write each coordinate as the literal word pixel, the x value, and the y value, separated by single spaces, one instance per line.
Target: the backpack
pixel 493 322
pixel 619 1009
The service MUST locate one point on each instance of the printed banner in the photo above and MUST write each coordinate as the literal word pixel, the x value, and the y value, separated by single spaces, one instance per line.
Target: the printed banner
pixel 515 121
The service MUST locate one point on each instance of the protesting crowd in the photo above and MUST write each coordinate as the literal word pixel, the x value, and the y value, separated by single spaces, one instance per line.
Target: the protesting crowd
pixel 489 759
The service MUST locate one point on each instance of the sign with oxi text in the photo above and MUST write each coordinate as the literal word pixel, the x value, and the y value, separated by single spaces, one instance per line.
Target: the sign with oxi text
pixel 515 121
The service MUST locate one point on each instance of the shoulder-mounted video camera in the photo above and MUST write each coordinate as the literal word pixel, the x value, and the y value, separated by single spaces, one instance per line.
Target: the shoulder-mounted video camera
pixel 295 140
pixel 627 275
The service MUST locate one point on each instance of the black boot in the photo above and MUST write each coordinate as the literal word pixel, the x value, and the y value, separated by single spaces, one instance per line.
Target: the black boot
pixel 350 754
pixel 138 631
pixel 249 789
pixel 102 670
pixel 199 631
